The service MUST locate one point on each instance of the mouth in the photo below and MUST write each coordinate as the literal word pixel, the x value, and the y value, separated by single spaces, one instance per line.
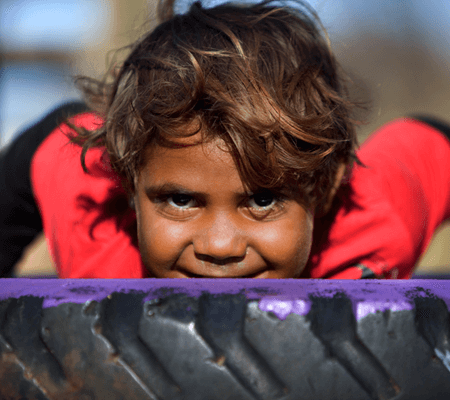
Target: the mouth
pixel 192 275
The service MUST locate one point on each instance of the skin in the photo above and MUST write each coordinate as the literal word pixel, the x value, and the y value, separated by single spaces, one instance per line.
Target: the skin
pixel 195 218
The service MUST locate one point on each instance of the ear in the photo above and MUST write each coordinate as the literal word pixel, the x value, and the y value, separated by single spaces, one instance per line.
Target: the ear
pixel 337 182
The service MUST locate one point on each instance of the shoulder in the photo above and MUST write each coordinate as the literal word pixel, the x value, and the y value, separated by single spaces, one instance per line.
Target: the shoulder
pixel 87 221
pixel 56 154
pixel 386 215
pixel 404 140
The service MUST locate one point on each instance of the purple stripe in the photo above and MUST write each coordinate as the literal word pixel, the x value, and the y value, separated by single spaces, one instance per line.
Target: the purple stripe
pixel 281 297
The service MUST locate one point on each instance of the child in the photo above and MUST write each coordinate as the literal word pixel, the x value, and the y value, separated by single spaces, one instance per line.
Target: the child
pixel 225 148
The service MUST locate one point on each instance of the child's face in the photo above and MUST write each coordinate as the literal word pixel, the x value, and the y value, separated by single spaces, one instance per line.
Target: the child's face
pixel 196 220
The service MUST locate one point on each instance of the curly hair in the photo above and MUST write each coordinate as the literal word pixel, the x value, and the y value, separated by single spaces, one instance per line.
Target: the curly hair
pixel 262 78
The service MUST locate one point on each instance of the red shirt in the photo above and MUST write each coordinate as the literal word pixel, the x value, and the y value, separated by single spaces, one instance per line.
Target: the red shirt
pixel 397 201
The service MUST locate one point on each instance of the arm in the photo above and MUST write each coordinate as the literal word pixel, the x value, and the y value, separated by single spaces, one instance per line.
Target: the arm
pixel 385 219
pixel 20 221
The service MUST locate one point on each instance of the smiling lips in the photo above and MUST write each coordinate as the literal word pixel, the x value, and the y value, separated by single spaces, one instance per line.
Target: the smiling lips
pixel 258 273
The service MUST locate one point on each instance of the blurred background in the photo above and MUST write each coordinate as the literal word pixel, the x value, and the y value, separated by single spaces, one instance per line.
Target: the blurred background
pixel 397 54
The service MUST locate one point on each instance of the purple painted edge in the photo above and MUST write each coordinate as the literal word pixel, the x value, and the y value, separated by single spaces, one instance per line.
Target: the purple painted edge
pixel 280 296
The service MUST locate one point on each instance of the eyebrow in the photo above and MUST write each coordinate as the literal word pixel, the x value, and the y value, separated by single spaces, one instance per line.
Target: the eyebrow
pixel 170 187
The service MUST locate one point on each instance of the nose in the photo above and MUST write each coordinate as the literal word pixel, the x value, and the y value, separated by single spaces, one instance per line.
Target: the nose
pixel 220 239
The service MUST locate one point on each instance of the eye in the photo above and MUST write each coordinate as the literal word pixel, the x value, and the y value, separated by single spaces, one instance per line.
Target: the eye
pixel 181 201
pixel 266 205
pixel 262 200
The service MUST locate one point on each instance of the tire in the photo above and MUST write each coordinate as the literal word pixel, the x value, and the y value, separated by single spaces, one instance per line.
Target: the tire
pixel 224 339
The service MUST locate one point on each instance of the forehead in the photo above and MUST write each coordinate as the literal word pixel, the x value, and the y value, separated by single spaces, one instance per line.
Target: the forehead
pixel 192 163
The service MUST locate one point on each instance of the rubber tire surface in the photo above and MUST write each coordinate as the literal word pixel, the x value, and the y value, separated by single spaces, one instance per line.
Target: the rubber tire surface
pixel 233 339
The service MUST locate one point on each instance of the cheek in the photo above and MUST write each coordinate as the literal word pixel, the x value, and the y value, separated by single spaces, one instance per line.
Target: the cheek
pixel 160 241
pixel 287 245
